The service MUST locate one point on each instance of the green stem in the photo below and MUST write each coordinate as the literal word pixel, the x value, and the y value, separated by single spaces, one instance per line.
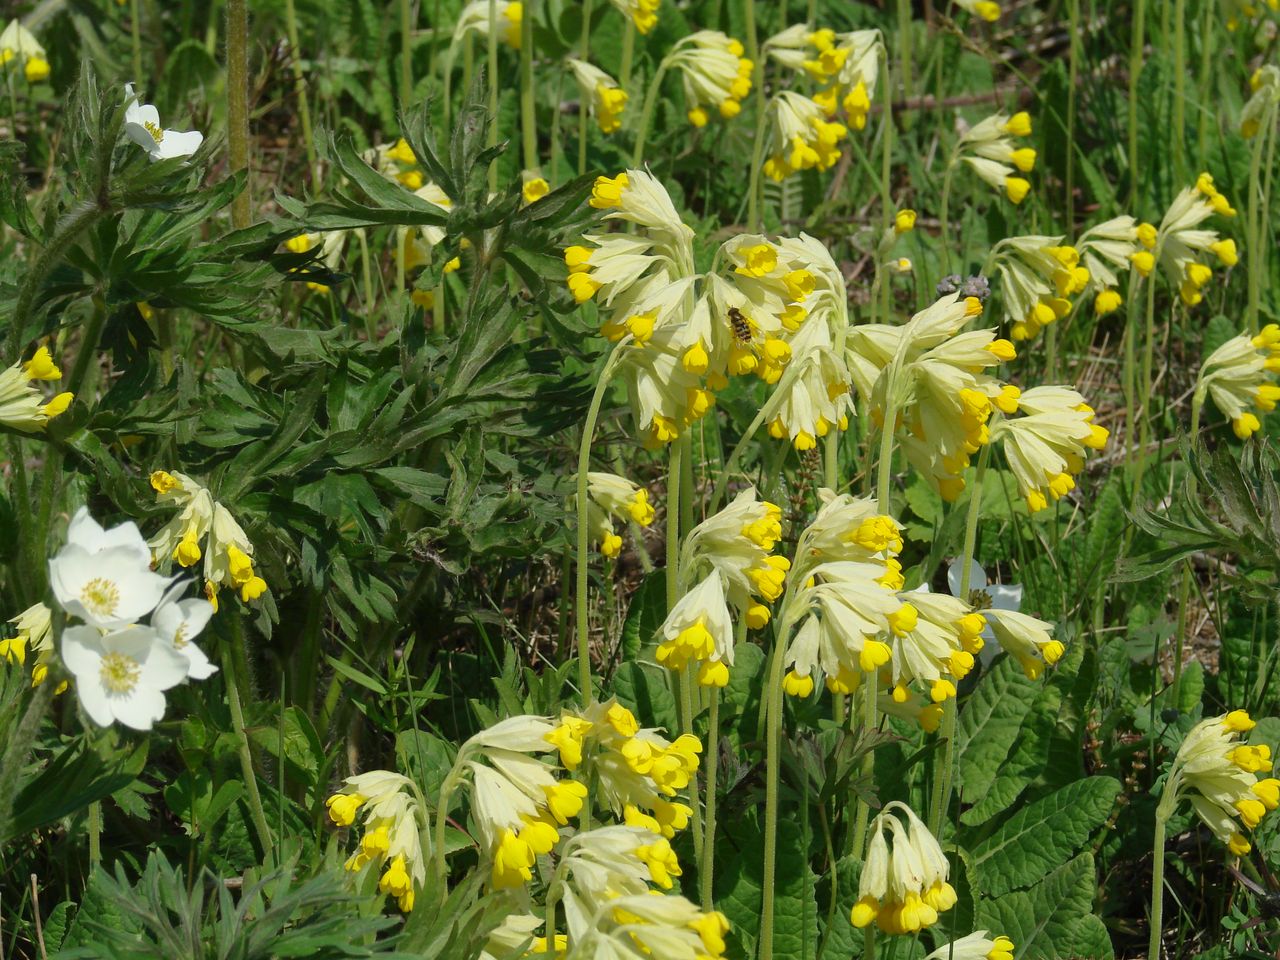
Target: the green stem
pixel 646 115
pixel 773 750
pixel 1073 74
pixel 1253 217
pixel 706 870
pixel 904 50
pixel 584 53
pixel 584 466
pixel 135 38
pixel 1130 374
pixel 1179 86
pixel 941 799
pixel 673 525
pixel 442 819
pixel 944 255
pixel 884 473
pixel 76 221
pixel 300 91
pixel 1135 72
pixel 1148 363
pixel 687 682
pixel 772 405
pixel 94 827
pixel 628 54
pixel 870 720
pixel 868 943
pixel 232 665
pixel 1157 886
pixel 406 52
pixel 238 106
pixel 757 81
pixel 491 67
pixel 1184 588
pixel 1207 74
pixel 528 119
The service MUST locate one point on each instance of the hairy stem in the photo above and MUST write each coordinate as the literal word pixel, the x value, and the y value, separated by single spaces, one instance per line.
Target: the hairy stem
pixel 238 105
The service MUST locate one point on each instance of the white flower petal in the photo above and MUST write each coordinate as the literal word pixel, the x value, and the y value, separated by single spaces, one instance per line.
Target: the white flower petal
pixel 164 667
pixel 977 577
pixel 1005 596
pixel 199 667
pixel 139 709
pixel 179 143
pixel 95 700
pixel 82 651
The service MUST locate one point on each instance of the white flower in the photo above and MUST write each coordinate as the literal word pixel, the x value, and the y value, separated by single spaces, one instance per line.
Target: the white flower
pixel 122 675
pixel 142 126
pixel 178 622
pixel 985 597
pixel 104 577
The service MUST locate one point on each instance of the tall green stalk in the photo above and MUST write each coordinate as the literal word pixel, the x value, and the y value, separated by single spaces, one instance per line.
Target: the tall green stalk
pixel 584 53
pixel 584 466
pixel 1179 88
pixel 1137 43
pixel 300 92
pixel 406 52
pixel 235 675
pixel 1254 213
pixel 628 54
pixel 772 759
pixel 944 211
pixel 491 67
pixel 135 38
pixel 757 81
pixel 1184 588
pixel 528 119
pixel 711 762
pixel 941 798
pixel 238 106
pixel 646 117
pixel 1073 79
pixel 904 50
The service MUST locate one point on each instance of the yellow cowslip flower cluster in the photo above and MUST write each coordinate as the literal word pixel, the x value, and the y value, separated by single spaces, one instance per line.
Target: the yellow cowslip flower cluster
pixel 22 406
pixel 392 835
pixel 227 552
pixel 699 630
pixel 610 495
pixel 1046 445
pixel 1240 377
pixel 474 18
pixel 1259 110
pixel 1038 276
pixel 801 137
pixel 714 73
pixel 846 65
pixel 1105 248
pixel 737 545
pixel 600 95
pixel 637 772
pixel 612 910
pixel 18 43
pixel 399 163
pixel 647 283
pixel 988 149
pixel 1218 774
pixel 936 377
pixel 34 634
pixel 976 946
pixel 1180 240
pixel 518 803
pixel 903 886
pixel 643 13
pixel 985 9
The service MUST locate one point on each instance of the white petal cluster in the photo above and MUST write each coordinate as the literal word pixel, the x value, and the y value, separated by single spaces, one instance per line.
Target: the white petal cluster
pixel 142 126
pixel 903 886
pixel 121 666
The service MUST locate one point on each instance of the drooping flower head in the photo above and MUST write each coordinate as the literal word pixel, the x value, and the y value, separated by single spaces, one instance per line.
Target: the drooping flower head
pixel 1047 443
pixel 1240 378
pixel 474 18
pixel 801 137
pixel 1038 275
pixel 1104 249
pixel 714 74
pixel 613 497
pixel 18 43
pixel 903 886
pixel 990 150
pixel 604 98
pixel 203 527
pixel 1218 773
pixel 976 946
pixel 1259 110
pixel 1180 243
pixel 391 836
pixel 643 13
pixel 22 406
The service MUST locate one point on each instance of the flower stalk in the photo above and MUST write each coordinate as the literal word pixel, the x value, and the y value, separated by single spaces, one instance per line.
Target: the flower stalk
pixel 238 105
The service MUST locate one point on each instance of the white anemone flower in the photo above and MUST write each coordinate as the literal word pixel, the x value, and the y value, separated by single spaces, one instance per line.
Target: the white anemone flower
pixel 178 622
pixel 122 675
pixel 142 126
pixel 104 577
pixel 984 596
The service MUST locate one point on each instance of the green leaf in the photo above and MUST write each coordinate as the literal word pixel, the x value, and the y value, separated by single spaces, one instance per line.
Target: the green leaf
pixel 645 615
pixel 989 725
pixel 77 777
pixel 1042 836
pixel 351 673
pixel 1053 920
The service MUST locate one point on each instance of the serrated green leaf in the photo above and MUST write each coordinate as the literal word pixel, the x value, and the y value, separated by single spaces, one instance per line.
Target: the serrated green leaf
pixel 1042 836
pixel 1053 920
pixel 643 689
pixel 989 725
